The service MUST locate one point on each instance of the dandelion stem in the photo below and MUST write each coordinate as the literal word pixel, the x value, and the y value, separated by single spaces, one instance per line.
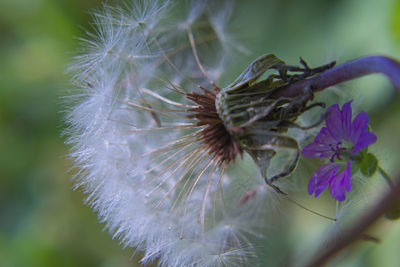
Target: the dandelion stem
pixel 386 177
pixel 345 72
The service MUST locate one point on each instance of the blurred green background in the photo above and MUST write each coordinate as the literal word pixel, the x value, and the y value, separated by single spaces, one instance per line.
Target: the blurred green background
pixel 43 222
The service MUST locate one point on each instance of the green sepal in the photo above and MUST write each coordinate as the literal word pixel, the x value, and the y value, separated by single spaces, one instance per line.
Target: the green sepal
pixel 355 167
pixel 368 164
pixel 254 71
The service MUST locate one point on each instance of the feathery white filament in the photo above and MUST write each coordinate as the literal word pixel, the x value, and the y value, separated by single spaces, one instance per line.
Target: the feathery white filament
pixel 141 165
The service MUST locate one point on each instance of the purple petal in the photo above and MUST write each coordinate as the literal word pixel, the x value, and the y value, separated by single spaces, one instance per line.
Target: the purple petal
pixel 317 150
pixel 334 122
pixel 311 184
pixel 321 146
pixel 340 182
pixel 358 126
pixel 336 187
pixel 366 139
pixel 325 181
pixel 321 178
pixel 347 177
pixel 346 119
pixel 333 108
pixel 324 137
pixel 315 178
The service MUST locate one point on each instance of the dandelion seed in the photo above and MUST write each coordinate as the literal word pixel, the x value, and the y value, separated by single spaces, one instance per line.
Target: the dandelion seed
pixel 150 146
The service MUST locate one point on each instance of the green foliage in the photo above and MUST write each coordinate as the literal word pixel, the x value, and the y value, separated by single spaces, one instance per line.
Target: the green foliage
pixel 368 164
pixel 43 222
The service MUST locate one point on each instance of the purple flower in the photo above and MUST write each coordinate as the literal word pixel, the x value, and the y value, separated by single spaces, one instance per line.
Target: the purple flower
pixel 339 141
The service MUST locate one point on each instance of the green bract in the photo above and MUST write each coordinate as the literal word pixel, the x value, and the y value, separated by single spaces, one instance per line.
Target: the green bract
pixel 257 120
pixel 368 164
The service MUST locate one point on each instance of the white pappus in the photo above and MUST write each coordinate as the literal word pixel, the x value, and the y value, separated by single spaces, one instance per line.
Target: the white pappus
pixel 139 128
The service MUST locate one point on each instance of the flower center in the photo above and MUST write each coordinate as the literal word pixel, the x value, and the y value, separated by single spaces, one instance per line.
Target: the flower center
pixel 336 151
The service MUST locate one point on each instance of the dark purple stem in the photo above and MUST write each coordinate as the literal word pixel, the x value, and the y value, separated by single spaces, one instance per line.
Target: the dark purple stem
pixel 345 72
pixel 353 234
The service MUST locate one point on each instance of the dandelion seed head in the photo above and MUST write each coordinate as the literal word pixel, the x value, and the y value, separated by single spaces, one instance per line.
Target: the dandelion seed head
pixel 152 154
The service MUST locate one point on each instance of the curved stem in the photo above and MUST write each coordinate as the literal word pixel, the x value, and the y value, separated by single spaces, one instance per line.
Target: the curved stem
pixel 356 231
pixel 386 177
pixel 345 72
